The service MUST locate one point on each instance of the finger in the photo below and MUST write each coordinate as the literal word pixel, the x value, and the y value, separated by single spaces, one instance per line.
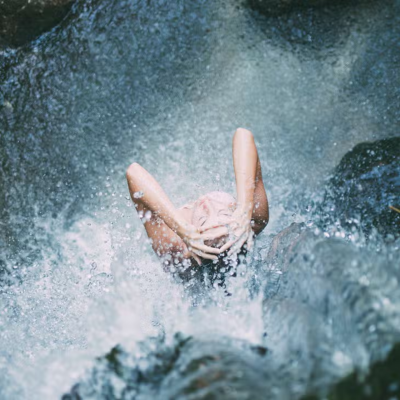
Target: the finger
pixel 206 228
pixel 186 252
pixel 215 235
pixel 238 231
pixel 233 225
pixel 238 246
pixel 189 254
pixel 205 255
pixel 227 245
pixel 230 243
pixel 204 248
pixel 196 257
pixel 250 241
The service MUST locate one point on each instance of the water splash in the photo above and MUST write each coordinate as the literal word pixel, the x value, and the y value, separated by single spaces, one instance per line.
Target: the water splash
pixel 166 85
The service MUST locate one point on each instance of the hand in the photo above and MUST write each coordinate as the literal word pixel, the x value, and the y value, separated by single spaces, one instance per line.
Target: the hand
pixel 194 241
pixel 240 231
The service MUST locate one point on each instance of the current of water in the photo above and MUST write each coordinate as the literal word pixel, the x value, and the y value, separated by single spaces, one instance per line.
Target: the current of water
pixel 165 84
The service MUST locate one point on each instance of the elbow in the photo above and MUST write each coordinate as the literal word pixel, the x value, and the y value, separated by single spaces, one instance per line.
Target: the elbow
pixel 243 132
pixel 132 170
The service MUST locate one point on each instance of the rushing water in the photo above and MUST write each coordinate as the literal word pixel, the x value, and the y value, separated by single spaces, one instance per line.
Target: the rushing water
pixel 166 84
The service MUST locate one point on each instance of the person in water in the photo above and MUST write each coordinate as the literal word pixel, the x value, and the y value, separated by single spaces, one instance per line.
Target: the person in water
pixel 213 224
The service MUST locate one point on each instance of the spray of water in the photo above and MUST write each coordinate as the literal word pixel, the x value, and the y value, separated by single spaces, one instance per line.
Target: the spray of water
pixel 166 86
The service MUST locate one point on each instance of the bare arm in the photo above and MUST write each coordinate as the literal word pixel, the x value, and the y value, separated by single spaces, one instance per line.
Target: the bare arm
pixel 251 196
pixel 148 194
pixel 169 231
pixel 251 215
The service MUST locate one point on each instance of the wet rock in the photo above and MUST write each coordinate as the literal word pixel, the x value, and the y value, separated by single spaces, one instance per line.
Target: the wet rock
pixel 23 20
pixel 191 369
pixel 381 383
pixel 280 6
pixel 341 283
pixel 333 311
pixel 328 307
pixel 220 369
pixel 364 191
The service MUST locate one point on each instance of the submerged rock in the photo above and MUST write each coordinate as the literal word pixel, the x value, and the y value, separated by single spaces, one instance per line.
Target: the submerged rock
pixel 364 191
pixel 23 20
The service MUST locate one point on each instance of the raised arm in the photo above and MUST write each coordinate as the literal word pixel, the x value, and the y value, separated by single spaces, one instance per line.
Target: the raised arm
pixel 251 215
pixel 148 195
pixel 251 196
pixel 164 224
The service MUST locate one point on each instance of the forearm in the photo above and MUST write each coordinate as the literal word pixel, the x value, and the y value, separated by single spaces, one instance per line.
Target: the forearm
pixel 260 211
pixel 146 192
pixel 245 164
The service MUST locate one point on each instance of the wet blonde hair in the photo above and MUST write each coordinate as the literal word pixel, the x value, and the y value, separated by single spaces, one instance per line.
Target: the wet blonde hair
pixel 219 197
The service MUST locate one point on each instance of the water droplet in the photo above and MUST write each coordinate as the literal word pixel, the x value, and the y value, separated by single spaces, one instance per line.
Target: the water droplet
pixel 138 195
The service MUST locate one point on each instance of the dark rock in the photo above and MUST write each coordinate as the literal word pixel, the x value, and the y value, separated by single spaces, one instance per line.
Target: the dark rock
pixel 191 368
pixel 273 7
pixel 320 311
pixel 381 383
pixel 220 369
pixel 364 191
pixel 278 6
pixel 23 20
pixel 332 311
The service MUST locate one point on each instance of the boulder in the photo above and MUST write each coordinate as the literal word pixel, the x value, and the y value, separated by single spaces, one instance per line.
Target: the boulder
pixel 330 310
pixel 189 369
pixel 23 20
pixel 381 383
pixel 274 7
pixel 278 6
pixel 364 190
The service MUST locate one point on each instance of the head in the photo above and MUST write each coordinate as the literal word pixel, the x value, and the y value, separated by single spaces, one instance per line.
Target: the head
pixel 214 208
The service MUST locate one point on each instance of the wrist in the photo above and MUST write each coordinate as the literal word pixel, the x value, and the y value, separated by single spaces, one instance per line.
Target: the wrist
pixel 176 223
pixel 182 229
pixel 245 209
